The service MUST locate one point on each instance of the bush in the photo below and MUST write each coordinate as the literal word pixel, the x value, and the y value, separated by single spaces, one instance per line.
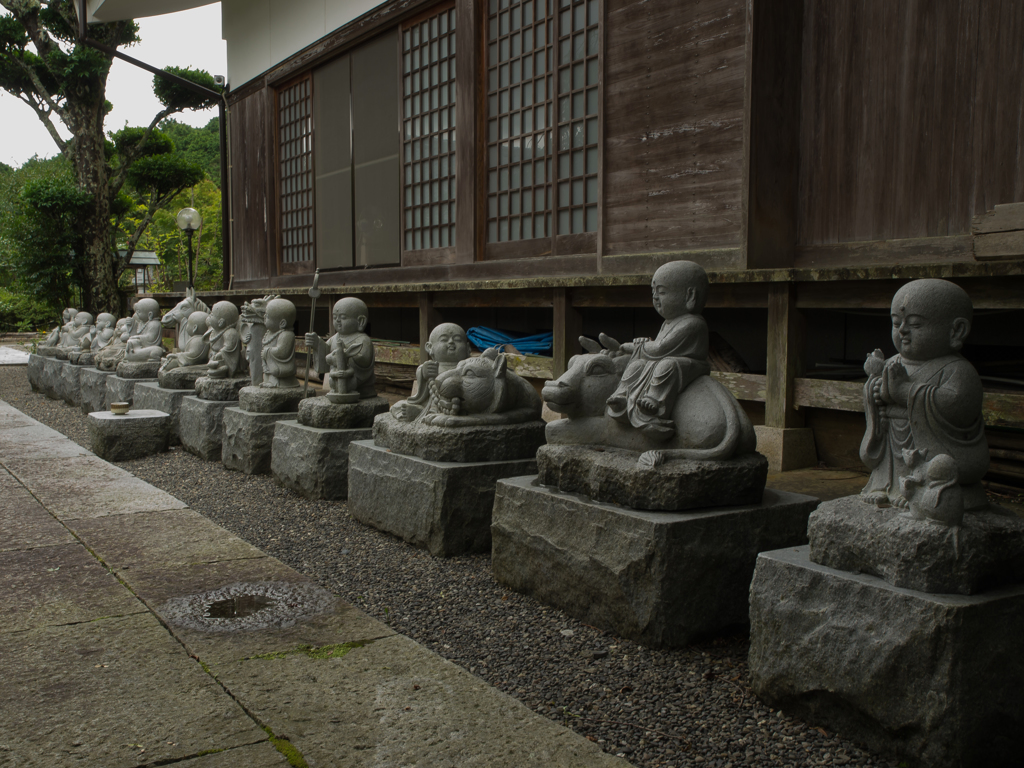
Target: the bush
pixel 19 312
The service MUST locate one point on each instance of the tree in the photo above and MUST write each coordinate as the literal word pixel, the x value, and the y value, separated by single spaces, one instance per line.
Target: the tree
pixel 64 80
pixel 200 145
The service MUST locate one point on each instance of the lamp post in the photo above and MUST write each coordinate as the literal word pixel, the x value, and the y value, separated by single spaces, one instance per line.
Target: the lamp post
pixel 189 220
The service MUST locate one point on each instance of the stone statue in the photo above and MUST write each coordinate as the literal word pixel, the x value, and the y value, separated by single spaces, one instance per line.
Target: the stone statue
pixel 653 397
pixel 278 347
pixel 659 370
pixel 254 326
pixel 348 354
pixel 481 390
pixel 145 337
pixel 226 354
pixel 104 331
pixel 925 402
pixel 82 328
pixel 196 351
pixel 69 323
pixel 447 347
pixel 179 317
pixel 108 358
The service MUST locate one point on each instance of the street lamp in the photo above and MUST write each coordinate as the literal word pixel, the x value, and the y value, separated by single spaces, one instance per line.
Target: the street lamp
pixel 189 220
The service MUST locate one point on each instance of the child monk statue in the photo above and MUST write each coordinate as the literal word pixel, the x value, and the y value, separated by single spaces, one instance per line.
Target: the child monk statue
pixel 278 351
pixel 104 331
pixel 926 398
pixel 197 348
pixel 348 354
pixel 659 370
pixel 144 342
pixel 226 358
pixel 447 347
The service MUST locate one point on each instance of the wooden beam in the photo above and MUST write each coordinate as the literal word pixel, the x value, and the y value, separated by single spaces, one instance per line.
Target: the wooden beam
pixel 771 132
pixel 470 183
pixel 785 353
pixel 999 245
pixel 566 329
pixel 1003 218
pixel 429 319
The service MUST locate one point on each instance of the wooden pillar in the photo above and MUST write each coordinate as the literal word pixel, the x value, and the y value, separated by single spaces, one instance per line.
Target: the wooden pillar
pixel 566 329
pixel 470 183
pixel 782 438
pixel 771 132
pixel 429 319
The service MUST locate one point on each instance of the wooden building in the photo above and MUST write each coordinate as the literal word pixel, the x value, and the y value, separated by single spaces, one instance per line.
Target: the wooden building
pixel 527 164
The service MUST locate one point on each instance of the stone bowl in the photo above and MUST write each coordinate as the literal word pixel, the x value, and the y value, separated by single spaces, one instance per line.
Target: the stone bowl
pixel 119 409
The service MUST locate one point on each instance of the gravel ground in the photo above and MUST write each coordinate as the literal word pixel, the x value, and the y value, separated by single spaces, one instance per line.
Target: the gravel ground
pixel 656 708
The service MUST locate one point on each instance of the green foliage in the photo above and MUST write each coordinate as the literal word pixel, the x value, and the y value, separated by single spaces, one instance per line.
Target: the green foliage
pixel 200 145
pixel 178 97
pixel 164 173
pixel 131 140
pixel 23 312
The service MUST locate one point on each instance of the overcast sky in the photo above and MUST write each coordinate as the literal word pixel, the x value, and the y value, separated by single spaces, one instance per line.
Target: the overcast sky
pixel 186 39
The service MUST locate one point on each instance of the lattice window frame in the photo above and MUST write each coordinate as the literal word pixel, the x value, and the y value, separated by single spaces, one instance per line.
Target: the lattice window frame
pixel 295 176
pixel 429 130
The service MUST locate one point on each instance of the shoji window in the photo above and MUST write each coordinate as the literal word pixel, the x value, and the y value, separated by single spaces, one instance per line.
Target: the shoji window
pixel 542 124
pixel 295 158
pixel 428 130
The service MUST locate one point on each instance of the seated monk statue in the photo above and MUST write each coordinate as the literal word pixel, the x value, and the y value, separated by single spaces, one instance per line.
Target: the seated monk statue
pixel 104 331
pixel 82 328
pixel 278 350
pixel 64 337
pixel 145 338
pixel 659 370
pixel 447 347
pixel 926 398
pixel 197 348
pixel 226 353
pixel 348 354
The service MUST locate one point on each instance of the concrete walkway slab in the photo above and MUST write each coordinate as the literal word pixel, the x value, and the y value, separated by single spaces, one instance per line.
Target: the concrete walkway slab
pixel 111 693
pixel 51 586
pixel 13 356
pixel 136 632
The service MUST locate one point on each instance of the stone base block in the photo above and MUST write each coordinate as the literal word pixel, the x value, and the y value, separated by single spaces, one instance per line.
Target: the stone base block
pixel 78 357
pixel 201 426
pixel 69 386
pixel 248 440
pixel 935 679
pixel 92 386
pixel 442 506
pixel 271 399
pixel 50 382
pixel 120 390
pixel 45 351
pixel 150 395
pixel 148 369
pixel 63 353
pixel 221 390
pixel 612 475
pixel 182 378
pixel 985 552
pixel 663 579
pixel 322 413
pixel 313 462
pixel 507 442
pixel 36 364
pixel 136 434
pixel 786 448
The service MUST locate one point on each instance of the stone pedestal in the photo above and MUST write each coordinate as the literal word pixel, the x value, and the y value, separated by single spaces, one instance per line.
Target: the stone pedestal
pixel 120 390
pixel 69 385
pixel 248 440
pixel 45 351
pixel 36 365
pixel 138 370
pixel 663 579
pixel 220 390
pixel 182 378
pixel 201 426
pixel 63 353
pixel 310 455
pixel 150 395
pixel 311 461
pixel 92 388
pixel 505 442
pixel 786 448
pixel 270 399
pixel 78 357
pixel 934 678
pixel 50 381
pixel 442 506
pixel 136 434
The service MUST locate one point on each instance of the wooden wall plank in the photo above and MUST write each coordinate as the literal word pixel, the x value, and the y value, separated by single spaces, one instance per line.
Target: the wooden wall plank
pixel 249 184
pixel 673 122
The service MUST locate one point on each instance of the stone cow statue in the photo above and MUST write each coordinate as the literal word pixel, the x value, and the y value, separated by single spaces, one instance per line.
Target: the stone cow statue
pixel 481 390
pixel 710 423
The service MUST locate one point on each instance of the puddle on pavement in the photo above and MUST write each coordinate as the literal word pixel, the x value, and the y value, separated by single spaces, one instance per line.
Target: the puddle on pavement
pixel 247 606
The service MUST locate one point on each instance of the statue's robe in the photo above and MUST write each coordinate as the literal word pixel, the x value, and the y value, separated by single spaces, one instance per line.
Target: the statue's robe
pixel 278 356
pixel 659 371
pixel 942 416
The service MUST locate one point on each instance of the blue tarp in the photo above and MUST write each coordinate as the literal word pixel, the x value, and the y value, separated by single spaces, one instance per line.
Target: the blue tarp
pixel 482 338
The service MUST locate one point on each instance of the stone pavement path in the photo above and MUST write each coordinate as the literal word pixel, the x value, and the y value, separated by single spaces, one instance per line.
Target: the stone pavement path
pixel 109 658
